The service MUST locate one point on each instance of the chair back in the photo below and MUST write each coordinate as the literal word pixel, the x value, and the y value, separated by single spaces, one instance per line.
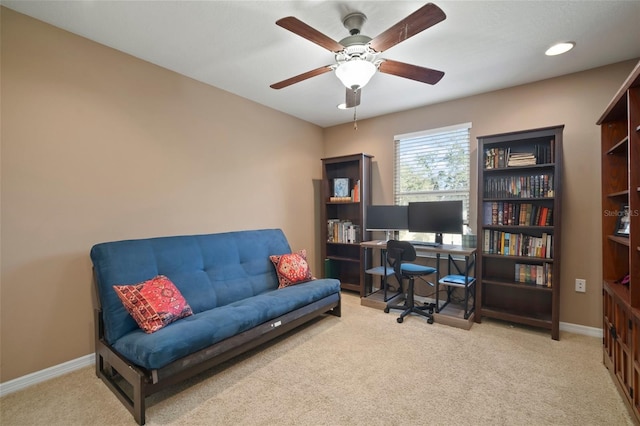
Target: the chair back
pixel 401 250
pixel 397 253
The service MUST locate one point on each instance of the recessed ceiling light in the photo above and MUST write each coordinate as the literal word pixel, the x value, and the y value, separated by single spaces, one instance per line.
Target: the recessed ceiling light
pixel 342 106
pixel 560 48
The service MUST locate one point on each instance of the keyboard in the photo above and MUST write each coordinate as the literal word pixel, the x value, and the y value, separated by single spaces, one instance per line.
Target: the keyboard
pixel 425 244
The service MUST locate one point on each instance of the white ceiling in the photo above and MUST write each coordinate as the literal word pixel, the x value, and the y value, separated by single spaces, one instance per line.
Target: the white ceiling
pixel 236 46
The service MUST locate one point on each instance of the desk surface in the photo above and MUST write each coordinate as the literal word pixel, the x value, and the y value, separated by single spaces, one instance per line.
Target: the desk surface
pixel 444 248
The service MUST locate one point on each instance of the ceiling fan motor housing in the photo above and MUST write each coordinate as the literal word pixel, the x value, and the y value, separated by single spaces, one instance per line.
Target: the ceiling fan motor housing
pixel 355 48
pixel 355 44
pixel 354 22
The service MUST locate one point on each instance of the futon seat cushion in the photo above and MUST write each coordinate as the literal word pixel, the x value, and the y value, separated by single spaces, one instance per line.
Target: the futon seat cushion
pixel 196 332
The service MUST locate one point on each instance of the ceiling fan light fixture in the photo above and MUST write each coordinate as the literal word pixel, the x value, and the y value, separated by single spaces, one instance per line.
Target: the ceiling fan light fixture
pixel 356 73
pixel 560 48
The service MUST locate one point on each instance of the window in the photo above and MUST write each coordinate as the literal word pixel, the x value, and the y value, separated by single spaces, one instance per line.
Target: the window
pixel 433 165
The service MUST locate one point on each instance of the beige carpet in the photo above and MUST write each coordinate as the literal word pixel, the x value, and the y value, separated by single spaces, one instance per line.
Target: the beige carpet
pixel 364 369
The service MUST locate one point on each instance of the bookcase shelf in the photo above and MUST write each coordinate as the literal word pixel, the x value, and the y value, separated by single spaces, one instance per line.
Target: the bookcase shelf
pixel 343 259
pixel 532 259
pixel 620 240
pixel 535 320
pixel 342 202
pixel 520 228
pixel 620 147
pixel 511 169
pixel 343 220
pixel 520 205
pixel 519 286
pixel 624 193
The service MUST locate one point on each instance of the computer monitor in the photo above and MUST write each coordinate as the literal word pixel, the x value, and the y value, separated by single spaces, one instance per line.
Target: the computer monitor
pixel 438 217
pixel 387 218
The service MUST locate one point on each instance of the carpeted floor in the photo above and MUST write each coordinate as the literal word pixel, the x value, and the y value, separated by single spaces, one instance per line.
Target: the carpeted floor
pixel 364 369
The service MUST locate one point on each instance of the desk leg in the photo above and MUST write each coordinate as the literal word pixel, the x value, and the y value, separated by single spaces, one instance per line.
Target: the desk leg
pixel 469 288
pixel 383 279
pixel 437 283
pixel 466 287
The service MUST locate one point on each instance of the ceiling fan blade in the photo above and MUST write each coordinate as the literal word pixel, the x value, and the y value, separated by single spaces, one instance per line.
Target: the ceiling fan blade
pixel 423 18
pixel 301 77
pixel 296 26
pixel 353 98
pixel 414 72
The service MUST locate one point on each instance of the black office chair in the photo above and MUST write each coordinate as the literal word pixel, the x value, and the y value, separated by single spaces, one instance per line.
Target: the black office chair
pixel 399 256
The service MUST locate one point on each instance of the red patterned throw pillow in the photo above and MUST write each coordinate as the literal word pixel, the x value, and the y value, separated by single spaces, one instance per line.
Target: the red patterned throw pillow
pixel 153 303
pixel 292 268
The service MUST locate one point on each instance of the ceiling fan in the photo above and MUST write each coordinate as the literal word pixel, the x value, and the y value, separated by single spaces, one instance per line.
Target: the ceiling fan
pixel 357 54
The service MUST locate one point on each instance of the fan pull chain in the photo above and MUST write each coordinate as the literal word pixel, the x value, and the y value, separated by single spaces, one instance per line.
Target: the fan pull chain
pixel 355 119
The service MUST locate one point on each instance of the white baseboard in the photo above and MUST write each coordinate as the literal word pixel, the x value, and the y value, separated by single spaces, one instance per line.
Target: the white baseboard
pixel 78 363
pixel 46 374
pixel 581 329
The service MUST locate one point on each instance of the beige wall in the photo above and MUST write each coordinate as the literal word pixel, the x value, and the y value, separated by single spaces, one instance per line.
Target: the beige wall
pixel 99 146
pixel 575 100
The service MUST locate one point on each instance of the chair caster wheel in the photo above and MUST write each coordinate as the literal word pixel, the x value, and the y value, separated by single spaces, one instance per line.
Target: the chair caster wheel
pixel 400 320
pixel 386 310
pixel 430 320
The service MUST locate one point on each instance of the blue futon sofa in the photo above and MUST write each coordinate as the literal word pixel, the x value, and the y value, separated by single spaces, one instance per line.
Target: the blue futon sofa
pixel 231 286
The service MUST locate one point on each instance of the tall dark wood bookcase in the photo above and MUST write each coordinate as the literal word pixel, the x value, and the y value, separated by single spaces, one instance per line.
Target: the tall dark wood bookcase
pixel 620 140
pixel 519 232
pixel 343 218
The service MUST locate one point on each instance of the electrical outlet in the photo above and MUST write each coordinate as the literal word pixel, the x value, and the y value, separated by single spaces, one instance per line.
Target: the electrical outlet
pixel 581 285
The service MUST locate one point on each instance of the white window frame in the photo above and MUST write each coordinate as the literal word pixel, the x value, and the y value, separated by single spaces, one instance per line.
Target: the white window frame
pixel 434 143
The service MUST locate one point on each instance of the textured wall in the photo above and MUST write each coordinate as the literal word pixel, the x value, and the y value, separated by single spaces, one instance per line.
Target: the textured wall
pixel 99 146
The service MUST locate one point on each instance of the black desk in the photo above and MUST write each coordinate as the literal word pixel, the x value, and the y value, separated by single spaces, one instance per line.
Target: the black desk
pixel 455 255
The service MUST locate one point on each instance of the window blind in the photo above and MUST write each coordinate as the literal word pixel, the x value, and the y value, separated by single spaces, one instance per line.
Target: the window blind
pixel 433 165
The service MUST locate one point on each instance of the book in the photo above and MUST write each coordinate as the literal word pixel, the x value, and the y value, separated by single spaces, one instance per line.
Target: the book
pixel 540 276
pixel 549 253
pixel 487 213
pixel 506 244
pixel 356 192
pixel 487 241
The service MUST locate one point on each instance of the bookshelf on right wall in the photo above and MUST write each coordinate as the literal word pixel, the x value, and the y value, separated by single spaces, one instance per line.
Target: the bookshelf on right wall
pixel 519 212
pixel 620 142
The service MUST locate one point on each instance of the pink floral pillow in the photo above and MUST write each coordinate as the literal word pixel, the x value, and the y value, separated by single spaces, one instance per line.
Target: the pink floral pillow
pixel 292 268
pixel 153 303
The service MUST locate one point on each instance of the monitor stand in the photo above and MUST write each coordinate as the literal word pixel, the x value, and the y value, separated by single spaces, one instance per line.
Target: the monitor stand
pixel 439 238
pixel 389 235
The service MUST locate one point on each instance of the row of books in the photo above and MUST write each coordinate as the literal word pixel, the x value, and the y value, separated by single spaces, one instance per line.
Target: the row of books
pixel 534 274
pixel 537 186
pixel 507 213
pixel 499 158
pixel 343 231
pixel 512 244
